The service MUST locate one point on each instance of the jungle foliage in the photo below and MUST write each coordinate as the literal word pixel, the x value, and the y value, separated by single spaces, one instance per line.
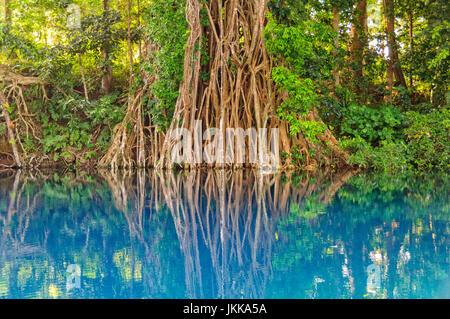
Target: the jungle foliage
pixel 367 77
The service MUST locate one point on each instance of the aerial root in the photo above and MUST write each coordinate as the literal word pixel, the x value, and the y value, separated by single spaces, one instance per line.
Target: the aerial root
pixel 238 94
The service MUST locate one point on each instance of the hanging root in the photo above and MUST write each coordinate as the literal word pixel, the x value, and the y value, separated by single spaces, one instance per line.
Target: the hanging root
pixel 239 94
pixel 128 138
pixel 135 138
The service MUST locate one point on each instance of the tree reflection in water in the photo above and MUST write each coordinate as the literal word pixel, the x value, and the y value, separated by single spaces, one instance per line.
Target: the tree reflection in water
pixel 223 234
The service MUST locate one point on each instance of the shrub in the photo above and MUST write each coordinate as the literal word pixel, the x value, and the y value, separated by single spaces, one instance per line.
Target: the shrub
pixel 359 150
pixel 428 139
pixel 391 156
pixel 383 122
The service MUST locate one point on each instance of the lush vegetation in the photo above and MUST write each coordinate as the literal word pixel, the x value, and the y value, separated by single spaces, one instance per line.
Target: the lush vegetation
pixel 371 74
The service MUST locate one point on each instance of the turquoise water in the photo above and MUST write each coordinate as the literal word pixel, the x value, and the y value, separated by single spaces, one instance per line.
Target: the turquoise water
pixel 223 235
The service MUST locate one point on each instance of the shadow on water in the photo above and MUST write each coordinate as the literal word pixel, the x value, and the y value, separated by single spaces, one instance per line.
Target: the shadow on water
pixel 222 234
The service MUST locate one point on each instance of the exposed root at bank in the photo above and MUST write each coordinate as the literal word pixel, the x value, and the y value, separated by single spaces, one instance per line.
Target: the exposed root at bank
pixel 23 125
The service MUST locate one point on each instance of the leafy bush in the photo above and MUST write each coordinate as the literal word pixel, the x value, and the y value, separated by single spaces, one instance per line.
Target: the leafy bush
pixel 359 150
pixel 333 105
pixel 428 139
pixel 105 111
pixel 424 145
pixel 68 124
pixel 384 122
pixel 390 156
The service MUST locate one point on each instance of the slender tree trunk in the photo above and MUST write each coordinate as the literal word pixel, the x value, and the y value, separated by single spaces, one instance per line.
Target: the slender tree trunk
pixel 107 72
pixel 411 46
pixel 130 49
pixel 7 11
pixel 393 52
pixel 139 24
pixel 83 78
pixel 358 46
pixel 389 67
pixel 336 43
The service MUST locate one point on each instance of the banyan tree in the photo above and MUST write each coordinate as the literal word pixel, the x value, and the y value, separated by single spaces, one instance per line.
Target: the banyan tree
pixel 239 93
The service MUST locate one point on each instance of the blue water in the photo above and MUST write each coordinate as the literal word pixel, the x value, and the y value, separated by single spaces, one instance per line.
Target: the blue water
pixel 223 235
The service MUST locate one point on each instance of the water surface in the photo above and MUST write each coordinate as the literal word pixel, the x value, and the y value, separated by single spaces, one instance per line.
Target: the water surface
pixel 223 235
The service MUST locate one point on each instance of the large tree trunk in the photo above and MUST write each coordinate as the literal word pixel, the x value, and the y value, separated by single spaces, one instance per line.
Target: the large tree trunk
pixel 394 62
pixel 359 42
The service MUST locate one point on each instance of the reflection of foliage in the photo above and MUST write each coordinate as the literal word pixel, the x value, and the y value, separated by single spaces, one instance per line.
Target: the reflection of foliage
pixel 419 194
pixel 77 214
pixel 160 251
pixel 395 216
pixel 310 209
